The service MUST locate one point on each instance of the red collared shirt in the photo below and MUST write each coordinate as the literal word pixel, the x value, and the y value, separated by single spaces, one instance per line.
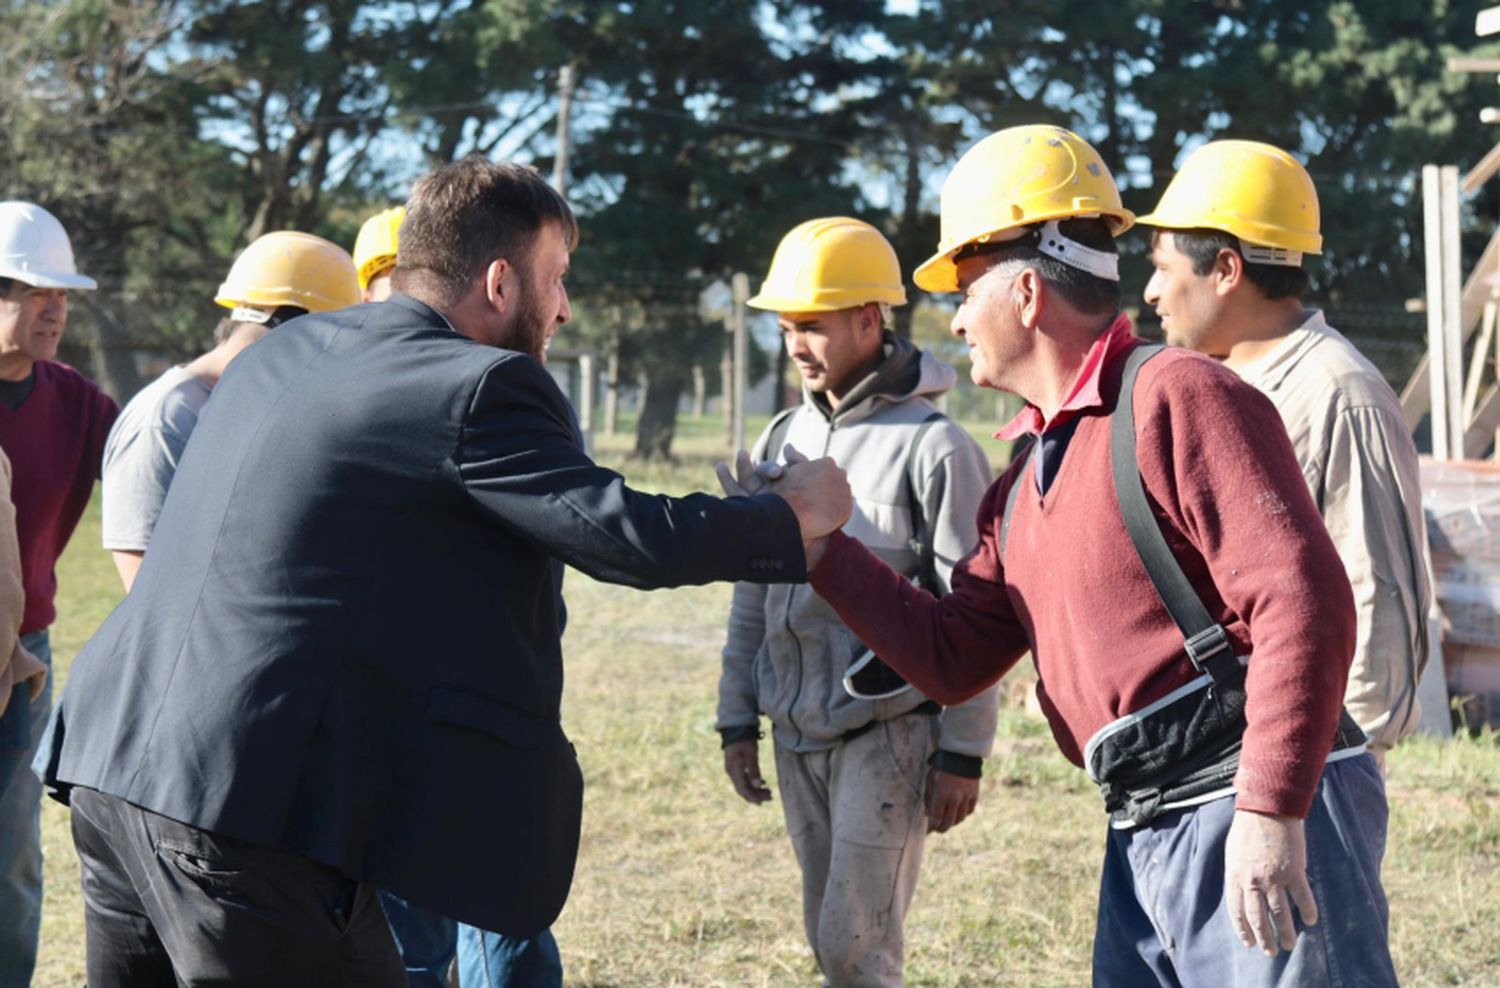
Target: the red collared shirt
pixel 1085 392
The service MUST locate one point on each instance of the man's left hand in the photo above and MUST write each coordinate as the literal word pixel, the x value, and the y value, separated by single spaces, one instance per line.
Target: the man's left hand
pixel 747 478
pixel 950 799
pixel 1265 872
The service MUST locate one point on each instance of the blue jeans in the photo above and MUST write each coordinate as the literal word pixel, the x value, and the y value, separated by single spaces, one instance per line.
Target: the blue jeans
pixel 20 825
pixel 428 943
pixel 425 939
pixel 1162 918
pixel 489 960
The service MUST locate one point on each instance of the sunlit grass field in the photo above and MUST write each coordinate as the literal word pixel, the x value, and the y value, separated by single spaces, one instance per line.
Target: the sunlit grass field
pixel 682 884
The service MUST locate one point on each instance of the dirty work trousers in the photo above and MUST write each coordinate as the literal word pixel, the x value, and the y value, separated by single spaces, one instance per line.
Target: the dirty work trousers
pixel 1162 918
pixel 855 816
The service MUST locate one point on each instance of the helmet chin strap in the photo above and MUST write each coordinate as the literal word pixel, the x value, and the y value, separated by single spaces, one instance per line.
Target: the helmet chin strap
pixel 1050 240
pixel 249 313
pixel 1099 263
pixel 1279 256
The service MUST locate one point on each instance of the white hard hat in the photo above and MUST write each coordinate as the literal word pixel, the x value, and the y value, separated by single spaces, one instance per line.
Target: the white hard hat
pixel 34 248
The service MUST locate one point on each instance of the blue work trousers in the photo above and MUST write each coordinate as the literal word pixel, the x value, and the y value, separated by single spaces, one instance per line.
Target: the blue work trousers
pixel 1163 921
pixel 21 727
pixel 429 942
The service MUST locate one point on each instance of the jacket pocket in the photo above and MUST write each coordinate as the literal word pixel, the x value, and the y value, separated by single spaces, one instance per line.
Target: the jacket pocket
pixel 493 717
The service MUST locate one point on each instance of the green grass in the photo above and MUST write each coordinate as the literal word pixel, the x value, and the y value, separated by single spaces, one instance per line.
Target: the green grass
pixel 682 884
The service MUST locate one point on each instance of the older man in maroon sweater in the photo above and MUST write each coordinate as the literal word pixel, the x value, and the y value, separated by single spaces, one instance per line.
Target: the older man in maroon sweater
pixel 1293 816
pixel 53 423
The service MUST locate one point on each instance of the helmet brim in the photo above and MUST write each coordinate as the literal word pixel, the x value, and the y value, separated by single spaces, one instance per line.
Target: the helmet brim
pixel 47 279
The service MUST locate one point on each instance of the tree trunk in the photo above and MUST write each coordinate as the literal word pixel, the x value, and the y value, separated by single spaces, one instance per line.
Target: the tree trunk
pixel 114 367
pixel 726 388
pixel 658 422
pixel 911 220
pixel 778 393
pixel 700 391
pixel 612 378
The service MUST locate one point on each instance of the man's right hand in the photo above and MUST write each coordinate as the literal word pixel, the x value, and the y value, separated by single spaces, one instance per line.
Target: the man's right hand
pixel 817 490
pixel 742 765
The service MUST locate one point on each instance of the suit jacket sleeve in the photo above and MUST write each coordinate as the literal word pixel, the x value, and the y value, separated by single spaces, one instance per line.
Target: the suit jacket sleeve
pixel 519 460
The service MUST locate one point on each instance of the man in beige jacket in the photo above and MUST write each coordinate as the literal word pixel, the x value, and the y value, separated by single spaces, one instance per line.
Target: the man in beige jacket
pixel 1232 228
pixel 19 669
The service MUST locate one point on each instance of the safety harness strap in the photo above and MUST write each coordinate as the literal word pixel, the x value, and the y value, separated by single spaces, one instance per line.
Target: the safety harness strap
pixel 1206 642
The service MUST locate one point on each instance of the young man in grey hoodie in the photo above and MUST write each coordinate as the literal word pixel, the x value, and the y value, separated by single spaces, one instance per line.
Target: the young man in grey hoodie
pixel 866 766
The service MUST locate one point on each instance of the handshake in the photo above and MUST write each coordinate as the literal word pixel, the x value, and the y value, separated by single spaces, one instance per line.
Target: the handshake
pixel 817 490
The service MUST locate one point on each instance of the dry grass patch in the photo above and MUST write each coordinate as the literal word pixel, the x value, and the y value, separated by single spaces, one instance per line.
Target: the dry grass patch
pixel 681 884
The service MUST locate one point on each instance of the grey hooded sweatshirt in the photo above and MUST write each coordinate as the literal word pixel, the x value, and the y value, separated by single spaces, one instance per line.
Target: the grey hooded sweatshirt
pixel 787 650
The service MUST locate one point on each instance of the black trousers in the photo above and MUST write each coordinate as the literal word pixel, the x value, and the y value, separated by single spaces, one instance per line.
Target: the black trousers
pixel 168 905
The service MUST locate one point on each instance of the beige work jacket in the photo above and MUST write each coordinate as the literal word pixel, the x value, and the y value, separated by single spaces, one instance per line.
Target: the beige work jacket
pixel 1361 465
pixel 16 664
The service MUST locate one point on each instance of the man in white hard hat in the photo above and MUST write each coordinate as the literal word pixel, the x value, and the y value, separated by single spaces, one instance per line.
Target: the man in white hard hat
pixel 280 276
pixel 866 766
pixel 1231 232
pixel 53 423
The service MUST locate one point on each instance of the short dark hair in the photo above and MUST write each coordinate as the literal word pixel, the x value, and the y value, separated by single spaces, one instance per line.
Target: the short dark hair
pixel 1088 293
pixel 1201 246
pixel 464 215
pixel 5 284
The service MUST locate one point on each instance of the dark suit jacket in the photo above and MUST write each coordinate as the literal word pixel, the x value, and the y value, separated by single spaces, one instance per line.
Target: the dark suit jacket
pixel 344 639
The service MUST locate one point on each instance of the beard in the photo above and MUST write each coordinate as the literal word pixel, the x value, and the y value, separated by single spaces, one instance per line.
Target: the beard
pixel 532 328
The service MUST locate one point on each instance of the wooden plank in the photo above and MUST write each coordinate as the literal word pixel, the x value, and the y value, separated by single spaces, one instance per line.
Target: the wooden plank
pixel 1479 361
pixel 1477 289
pixel 1416 397
pixel 1482 172
pixel 1437 348
pixel 1462 64
pixel 1481 431
pixel 1455 328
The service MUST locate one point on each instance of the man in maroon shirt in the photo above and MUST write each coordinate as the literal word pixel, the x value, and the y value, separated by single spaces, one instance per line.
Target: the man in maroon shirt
pixel 53 423
pixel 1240 809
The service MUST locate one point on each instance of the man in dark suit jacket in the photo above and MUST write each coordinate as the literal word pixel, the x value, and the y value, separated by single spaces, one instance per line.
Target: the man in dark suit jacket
pixel 339 668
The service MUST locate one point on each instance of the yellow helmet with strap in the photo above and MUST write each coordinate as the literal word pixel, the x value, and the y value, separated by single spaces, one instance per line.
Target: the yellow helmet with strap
pixel 290 268
pixel 1012 181
pixel 1255 191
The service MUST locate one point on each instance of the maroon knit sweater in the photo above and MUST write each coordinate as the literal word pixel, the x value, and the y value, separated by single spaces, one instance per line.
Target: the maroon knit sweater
pixel 1226 487
pixel 55 442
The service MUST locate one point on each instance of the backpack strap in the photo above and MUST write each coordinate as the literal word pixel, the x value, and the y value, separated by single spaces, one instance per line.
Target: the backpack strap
pixel 921 538
pixel 780 425
pixel 1010 497
pixel 1206 642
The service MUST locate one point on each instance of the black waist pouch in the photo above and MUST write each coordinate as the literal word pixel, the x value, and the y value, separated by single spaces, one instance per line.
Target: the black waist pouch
pixel 1180 750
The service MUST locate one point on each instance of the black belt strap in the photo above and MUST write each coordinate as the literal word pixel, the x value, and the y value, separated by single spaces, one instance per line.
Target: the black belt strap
pixel 1207 643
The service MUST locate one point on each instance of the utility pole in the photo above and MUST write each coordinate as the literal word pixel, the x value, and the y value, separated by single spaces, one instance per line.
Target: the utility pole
pixel 565 82
pixel 741 286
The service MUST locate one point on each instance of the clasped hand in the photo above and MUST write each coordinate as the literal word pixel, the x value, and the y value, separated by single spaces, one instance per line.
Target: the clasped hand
pixel 817 490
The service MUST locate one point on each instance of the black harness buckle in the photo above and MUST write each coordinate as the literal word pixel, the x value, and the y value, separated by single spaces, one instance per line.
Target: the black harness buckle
pixel 1211 651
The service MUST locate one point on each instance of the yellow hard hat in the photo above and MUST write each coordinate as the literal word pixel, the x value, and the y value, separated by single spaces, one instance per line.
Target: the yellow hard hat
pixel 828 264
pixel 375 247
pixel 1255 191
pixel 1015 179
pixel 289 268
